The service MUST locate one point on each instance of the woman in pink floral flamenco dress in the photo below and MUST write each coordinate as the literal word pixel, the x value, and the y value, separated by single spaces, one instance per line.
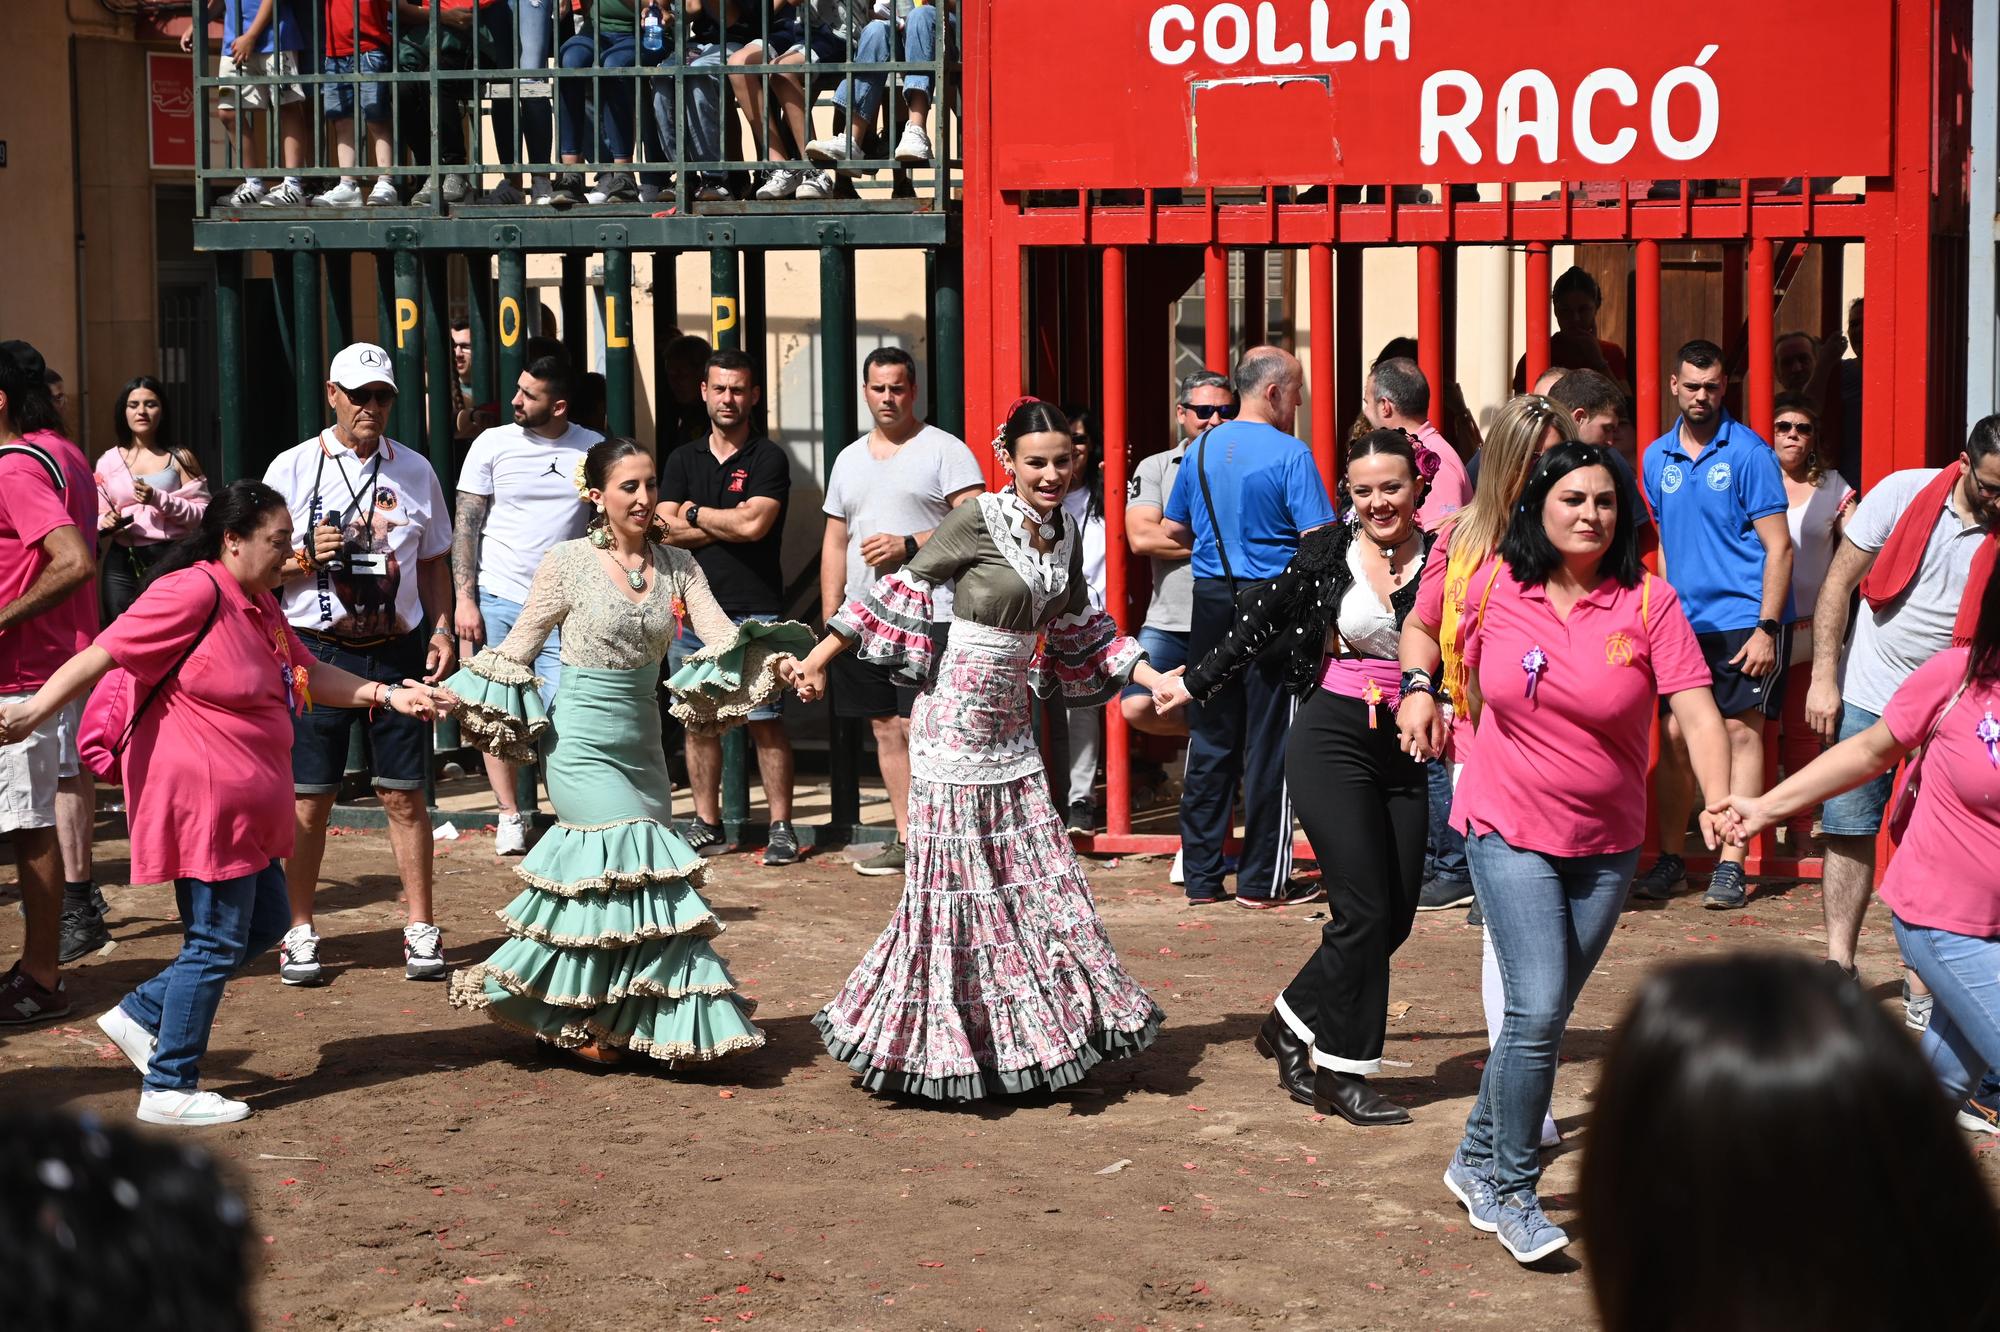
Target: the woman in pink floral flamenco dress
pixel 995 974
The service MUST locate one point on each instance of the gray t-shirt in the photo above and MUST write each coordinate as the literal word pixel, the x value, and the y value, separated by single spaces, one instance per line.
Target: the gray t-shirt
pixel 902 495
pixel 1172 607
pixel 1888 645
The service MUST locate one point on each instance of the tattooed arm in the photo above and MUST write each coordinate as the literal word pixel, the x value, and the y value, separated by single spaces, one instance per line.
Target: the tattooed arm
pixel 466 533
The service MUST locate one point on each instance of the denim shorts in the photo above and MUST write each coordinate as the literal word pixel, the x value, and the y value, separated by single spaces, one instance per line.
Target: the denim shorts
pixel 499 615
pixel 337 99
pixel 1857 813
pixel 400 746
pixel 1165 649
pixel 685 645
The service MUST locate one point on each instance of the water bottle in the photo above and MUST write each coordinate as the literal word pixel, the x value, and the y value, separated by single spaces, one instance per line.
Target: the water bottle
pixel 653 28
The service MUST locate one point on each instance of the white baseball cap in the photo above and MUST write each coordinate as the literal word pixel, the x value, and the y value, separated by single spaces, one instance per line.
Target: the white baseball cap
pixel 361 364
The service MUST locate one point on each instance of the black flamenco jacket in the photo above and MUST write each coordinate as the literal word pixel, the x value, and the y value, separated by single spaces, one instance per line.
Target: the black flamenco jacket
pixel 1300 608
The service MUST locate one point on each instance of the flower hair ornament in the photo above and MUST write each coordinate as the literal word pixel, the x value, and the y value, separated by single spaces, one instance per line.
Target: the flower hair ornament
pixel 1000 435
pixel 580 478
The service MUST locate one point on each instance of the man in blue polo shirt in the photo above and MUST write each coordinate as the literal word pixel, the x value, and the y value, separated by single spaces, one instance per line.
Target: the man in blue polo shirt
pixel 1718 496
pixel 1262 491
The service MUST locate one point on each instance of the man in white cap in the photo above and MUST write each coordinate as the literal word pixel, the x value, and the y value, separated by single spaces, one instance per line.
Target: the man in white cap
pixel 369 590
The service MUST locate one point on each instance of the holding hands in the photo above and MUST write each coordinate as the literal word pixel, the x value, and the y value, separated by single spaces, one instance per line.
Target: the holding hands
pixel 1170 692
pixel 1734 819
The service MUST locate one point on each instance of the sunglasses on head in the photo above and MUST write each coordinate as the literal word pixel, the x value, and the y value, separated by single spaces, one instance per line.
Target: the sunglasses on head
pixel 363 397
pixel 1227 411
pixel 1804 428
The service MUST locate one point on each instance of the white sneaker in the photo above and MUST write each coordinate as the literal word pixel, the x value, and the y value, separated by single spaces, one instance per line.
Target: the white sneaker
pixel 782 183
pixel 914 148
pixel 287 194
pixel 189 1109
pixel 345 194
pixel 134 1040
pixel 249 192
pixel 1178 874
pixel 423 952
pixel 836 148
pixel 298 957
pixel 819 185
pixel 714 189
pixel 510 835
pixel 384 194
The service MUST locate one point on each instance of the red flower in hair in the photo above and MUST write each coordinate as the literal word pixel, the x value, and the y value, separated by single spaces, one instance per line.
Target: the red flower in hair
pixel 1427 462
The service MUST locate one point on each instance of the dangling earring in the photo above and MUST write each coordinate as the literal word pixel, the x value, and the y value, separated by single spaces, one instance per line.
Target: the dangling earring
pixel 600 535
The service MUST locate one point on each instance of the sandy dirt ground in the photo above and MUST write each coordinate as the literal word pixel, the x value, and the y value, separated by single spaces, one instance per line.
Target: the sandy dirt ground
pixel 413 1167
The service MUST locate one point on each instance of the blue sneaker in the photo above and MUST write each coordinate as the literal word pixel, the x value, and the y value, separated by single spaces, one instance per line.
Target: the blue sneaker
pixel 1726 890
pixel 1473 1186
pixel 1525 1232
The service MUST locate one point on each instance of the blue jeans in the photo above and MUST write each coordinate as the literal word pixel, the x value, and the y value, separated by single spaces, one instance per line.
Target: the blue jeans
pixel 225 926
pixel 610 50
pixel 704 103
pixel 1963 1042
pixel 861 95
pixel 499 615
pixel 1549 918
pixel 1165 649
pixel 1444 852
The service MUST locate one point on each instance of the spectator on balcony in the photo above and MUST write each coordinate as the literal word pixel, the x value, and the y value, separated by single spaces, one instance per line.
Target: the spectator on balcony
pixel 1575 345
pixel 357 46
pixel 860 97
pixel 607 39
pixel 801 30
pixel 535 33
pixel 471 35
pixel 716 31
pixel 262 42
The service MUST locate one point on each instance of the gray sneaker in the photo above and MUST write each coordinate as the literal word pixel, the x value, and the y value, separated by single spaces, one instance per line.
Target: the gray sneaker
pixel 1473 1186
pixel 1525 1232
pixel 1726 889
pixel 1917 1008
pixel 782 846
pixel 887 861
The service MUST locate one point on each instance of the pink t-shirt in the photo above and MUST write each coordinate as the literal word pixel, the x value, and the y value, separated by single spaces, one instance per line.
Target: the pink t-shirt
pixel 1563 771
pixel 1451 488
pixel 208 775
pixel 31 507
pixel 1941 876
pixel 1432 584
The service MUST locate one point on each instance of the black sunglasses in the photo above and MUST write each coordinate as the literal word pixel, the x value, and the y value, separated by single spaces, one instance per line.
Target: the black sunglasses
pixel 1227 411
pixel 363 397
pixel 1805 428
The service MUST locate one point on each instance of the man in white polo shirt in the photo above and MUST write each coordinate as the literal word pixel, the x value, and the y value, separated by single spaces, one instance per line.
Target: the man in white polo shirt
pixel 369 590
pixel 516 499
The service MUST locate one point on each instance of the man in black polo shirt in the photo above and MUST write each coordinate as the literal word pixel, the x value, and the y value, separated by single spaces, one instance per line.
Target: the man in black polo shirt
pixel 723 497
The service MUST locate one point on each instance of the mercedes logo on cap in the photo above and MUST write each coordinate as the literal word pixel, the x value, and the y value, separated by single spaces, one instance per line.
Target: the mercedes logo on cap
pixel 373 358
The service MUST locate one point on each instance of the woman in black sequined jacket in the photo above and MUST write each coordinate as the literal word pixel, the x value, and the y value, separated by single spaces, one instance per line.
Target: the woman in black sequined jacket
pixel 1339 608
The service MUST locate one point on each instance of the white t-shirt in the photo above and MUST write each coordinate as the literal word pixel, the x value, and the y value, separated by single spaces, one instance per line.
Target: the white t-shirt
pixel 1077 502
pixel 530 478
pixel 391 505
pixel 902 494
pixel 1887 647
pixel 1812 522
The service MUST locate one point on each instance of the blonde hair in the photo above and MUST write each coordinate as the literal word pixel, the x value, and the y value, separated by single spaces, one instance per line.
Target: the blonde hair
pixel 1513 443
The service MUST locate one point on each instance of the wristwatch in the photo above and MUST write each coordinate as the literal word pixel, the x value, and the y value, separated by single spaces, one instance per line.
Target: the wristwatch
pixel 909 548
pixel 1770 627
pixel 692 515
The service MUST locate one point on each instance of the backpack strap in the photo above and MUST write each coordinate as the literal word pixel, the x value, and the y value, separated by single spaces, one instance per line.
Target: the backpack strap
pixel 42 456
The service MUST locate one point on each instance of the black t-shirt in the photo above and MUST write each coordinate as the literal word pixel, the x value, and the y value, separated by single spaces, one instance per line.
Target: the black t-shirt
pixel 746 576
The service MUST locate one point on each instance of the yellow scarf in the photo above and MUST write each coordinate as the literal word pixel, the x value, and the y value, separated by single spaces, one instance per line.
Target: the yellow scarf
pixel 1457 578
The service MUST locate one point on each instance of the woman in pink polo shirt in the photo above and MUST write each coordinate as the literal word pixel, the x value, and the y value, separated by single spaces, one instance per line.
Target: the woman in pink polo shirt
pixel 1941 884
pixel 215 676
pixel 1568 645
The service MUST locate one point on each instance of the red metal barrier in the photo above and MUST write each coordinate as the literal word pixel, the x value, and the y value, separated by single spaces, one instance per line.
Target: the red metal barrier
pixel 1186 97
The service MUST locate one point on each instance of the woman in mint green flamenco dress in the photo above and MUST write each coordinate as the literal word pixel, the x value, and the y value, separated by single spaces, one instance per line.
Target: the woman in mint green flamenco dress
pixel 609 948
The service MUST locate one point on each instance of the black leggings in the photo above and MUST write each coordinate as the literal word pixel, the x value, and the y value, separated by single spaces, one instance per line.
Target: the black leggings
pixel 122 570
pixel 1365 808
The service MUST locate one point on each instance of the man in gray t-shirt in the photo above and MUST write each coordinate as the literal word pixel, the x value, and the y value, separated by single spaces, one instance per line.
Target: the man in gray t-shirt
pixel 888 492
pixel 1205 399
pixel 1851 688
